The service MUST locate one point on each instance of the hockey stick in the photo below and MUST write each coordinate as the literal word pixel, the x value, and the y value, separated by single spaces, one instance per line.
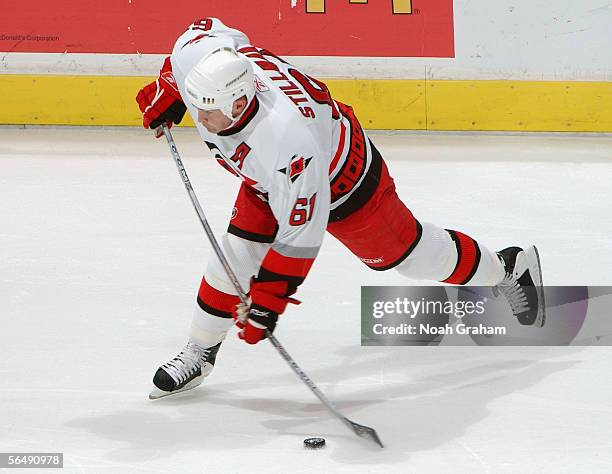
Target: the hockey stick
pixel 359 430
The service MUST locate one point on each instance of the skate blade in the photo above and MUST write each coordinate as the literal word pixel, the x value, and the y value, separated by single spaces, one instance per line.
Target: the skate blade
pixel 156 393
pixel 535 268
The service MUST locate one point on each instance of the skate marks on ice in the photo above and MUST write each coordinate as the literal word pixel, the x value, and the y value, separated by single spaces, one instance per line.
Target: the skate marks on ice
pixel 452 392
pixel 449 394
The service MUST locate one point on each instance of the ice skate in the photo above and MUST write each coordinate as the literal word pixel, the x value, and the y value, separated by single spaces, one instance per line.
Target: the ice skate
pixel 522 284
pixel 184 372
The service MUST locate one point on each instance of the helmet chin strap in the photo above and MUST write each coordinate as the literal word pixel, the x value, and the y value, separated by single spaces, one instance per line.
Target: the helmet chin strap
pixel 228 109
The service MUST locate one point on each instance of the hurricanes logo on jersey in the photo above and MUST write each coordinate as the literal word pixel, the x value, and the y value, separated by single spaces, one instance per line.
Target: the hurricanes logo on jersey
pixel 261 85
pixel 296 167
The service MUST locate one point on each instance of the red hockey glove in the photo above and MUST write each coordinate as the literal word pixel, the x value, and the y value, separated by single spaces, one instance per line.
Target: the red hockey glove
pixel 266 302
pixel 160 101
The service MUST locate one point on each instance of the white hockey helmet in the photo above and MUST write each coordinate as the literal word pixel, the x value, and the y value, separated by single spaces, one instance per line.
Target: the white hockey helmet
pixel 220 78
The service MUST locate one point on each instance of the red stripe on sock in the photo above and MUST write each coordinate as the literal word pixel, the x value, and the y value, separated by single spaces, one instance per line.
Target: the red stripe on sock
pixel 467 252
pixel 217 299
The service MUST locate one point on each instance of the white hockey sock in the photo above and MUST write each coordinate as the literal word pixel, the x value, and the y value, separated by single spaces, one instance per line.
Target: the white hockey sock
pixel 490 270
pixel 435 258
pixel 244 257
pixel 208 330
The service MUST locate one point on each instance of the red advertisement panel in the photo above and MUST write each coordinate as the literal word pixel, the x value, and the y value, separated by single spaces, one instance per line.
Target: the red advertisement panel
pixel 405 28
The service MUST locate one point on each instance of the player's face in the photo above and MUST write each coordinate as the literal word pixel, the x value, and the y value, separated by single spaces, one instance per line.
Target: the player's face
pixel 213 120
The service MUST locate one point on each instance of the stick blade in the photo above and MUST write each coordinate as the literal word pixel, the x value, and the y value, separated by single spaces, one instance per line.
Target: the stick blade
pixel 365 432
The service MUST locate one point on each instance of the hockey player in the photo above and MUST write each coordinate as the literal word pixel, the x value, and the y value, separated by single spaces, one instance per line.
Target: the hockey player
pixel 306 166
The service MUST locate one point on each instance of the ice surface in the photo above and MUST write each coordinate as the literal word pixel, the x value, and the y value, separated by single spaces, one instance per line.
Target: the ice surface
pixel 101 255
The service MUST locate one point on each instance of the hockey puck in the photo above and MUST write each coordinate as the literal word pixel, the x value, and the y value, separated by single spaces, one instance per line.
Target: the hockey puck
pixel 314 443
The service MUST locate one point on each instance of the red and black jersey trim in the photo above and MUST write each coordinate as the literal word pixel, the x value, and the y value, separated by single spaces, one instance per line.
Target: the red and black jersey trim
pixel 216 302
pixel 293 282
pixel 468 258
pixel 246 118
pixel 293 266
pixel 364 192
pixel 404 256
pixel 355 164
pixel 278 267
pixel 214 149
pixel 252 236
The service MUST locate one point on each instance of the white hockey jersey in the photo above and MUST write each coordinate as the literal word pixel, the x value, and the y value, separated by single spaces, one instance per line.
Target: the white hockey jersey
pixel 296 146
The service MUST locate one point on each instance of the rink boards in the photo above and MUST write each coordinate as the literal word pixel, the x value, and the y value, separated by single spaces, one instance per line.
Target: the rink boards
pixel 418 104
